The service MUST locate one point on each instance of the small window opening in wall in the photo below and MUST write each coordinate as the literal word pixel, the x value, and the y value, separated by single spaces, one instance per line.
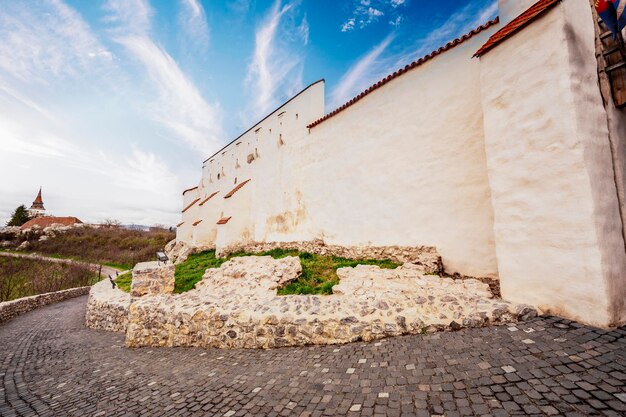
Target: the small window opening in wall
pixel 280 140
pixel 237 166
pixel 256 152
pixel 218 175
pixel 282 113
pixel 296 116
pixel 270 131
pixel 235 180
pixel 257 130
pixel 238 143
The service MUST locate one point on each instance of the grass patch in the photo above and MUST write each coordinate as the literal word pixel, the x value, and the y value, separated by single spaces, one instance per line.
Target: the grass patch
pixel 190 272
pixel 123 281
pixel 319 272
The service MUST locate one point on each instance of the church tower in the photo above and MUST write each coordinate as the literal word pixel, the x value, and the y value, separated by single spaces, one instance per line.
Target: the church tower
pixel 37 209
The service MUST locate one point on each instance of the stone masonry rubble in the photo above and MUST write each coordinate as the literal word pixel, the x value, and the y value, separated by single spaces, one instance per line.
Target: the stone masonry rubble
pixel 107 308
pixel 425 256
pixel 236 306
pixel 152 278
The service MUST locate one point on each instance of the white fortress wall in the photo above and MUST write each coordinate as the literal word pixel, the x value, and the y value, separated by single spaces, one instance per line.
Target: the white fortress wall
pixel 403 166
pixel 606 169
pixel 257 156
pixel 406 165
pixel 510 9
pixel 557 224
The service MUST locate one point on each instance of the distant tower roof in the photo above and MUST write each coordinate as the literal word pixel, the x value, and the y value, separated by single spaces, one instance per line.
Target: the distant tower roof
pixel 38 203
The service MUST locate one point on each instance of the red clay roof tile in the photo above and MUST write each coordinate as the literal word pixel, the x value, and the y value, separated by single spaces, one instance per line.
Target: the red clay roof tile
pixel 190 204
pixel 224 220
pixel 237 188
pixel 46 221
pixel 208 198
pixel 447 47
pixel 516 25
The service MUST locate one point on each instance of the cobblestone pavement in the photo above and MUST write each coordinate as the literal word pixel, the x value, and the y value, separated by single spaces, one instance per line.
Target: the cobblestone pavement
pixel 51 365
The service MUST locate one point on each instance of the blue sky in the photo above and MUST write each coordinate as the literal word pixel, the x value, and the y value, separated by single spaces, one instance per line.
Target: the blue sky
pixel 111 105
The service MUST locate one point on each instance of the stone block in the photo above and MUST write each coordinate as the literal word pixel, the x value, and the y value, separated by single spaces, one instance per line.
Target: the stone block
pixel 152 278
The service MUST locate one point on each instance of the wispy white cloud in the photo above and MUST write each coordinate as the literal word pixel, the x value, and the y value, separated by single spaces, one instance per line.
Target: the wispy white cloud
pixel 397 21
pixel 275 67
pixel 52 74
pixel 194 23
pixel 378 62
pixel 362 74
pixel 366 12
pixel 459 23
pixel 179 106
pixel 105 182
pixel 348 25
pixel 303 30
pixel 50 40
pixel 130 17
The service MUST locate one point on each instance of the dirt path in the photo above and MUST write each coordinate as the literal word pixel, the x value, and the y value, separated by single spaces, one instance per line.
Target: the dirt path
pixel 106 270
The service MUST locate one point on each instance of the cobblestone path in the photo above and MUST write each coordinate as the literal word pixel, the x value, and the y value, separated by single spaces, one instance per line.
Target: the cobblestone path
pixel 51 365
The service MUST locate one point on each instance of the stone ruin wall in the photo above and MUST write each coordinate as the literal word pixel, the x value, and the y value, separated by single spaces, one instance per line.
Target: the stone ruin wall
pixel 236 306
pixel 11 309
pixel 424 256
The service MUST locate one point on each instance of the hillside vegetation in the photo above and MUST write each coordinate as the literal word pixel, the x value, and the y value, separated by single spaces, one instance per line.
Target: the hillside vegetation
pixel 21 277
pixel 113 246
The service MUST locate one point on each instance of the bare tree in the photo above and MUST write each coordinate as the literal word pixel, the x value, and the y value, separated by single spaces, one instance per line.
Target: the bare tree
pixel 112 223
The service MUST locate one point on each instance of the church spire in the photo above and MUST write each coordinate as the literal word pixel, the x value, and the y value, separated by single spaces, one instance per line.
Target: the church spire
pixel 37 209
pixel 38 199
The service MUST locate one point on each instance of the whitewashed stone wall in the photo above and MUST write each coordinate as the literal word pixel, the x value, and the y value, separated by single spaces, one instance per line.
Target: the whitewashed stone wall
pixel 502 163
pixel 557 221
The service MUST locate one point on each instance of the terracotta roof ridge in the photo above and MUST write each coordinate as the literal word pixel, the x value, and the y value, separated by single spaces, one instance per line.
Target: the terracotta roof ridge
pixel 224 220
pixel 45 221
pixel 190 204
pixel 517 24
pixel 237 188
pixel 208 198
pixel 450 45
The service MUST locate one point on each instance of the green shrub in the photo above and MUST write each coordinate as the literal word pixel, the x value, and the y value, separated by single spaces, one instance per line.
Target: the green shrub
pixel 123 281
